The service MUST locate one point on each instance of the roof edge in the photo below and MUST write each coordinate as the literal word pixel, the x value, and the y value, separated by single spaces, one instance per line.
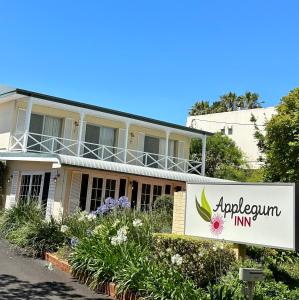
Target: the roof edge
pixel 109 111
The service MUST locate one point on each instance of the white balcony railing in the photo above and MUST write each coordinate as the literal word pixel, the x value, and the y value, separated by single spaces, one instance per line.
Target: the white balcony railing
pixel 33 142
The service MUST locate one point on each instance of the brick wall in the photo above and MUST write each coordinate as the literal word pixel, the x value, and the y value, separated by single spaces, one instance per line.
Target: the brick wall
pixel 178 223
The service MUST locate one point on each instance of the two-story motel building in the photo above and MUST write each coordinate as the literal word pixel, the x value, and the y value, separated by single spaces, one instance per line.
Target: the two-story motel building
pixel 70 155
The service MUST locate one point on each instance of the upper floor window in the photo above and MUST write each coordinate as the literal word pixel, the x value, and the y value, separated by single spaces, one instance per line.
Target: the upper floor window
pixel 41 129
pixel 95 137
pixel 230 130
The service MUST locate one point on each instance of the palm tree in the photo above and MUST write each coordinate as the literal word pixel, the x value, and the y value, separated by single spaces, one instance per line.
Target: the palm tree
pixel 230 100
pixel 251 100
pixel 200 108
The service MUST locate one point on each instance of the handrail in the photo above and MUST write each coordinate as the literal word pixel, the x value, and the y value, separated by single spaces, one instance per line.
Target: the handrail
pixel 41 143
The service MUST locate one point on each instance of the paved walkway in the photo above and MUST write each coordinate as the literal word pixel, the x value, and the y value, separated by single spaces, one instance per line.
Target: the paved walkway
pixel 24 278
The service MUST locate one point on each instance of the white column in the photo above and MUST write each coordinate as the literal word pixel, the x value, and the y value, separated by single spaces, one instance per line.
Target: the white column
pixel 126 141
pixel 80 130
pixel 166 149
pixel 203 155
pixel 27 123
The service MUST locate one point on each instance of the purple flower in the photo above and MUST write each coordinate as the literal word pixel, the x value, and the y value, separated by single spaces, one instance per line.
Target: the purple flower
pixel 124 202
pixel 111 203
pixel 74 242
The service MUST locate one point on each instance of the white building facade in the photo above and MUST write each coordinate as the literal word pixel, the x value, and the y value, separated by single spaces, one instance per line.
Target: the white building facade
pixel 238 126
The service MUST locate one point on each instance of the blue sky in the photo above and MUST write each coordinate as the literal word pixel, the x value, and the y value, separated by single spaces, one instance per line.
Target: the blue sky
pixel 150 57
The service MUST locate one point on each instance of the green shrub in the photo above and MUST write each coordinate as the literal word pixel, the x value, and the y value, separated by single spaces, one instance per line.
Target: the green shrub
pixel 165 203
pixel 15 217
pixel 203 261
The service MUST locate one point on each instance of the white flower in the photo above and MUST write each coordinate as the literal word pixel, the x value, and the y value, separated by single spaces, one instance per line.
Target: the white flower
pixel 214 248
pixel 64 228
pixel 91 216
pixel 83 215
pixel 137 223
pixel 168 250
pixel 176 260
pixel 118 239
pixel 123 230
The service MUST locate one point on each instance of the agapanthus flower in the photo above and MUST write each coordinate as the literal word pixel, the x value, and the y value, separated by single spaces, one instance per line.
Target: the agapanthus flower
pixel 74 242
pixel 91 216
pixel 124 202
pixel 111 203
pixel 137 223
pixel 64 228
pixel 120 237
pixel 102 209
pixel 176 260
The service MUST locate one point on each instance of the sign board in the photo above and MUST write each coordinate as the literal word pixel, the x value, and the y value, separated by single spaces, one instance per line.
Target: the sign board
pixel 257 214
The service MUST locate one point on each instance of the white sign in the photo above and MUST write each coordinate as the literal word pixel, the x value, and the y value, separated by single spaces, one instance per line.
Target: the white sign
pixel 260 214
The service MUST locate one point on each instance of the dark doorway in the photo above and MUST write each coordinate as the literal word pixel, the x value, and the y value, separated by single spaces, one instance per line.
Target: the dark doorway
pixel 83 193
pixel 134 194
pixel 122 187
pixel 45 193
pixel 167 189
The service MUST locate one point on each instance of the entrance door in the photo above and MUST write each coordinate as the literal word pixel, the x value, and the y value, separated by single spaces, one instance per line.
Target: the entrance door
pixel 134 194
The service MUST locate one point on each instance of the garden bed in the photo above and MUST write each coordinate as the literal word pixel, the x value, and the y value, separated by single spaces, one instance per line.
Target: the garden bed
pixel 57 262
pixel 108 288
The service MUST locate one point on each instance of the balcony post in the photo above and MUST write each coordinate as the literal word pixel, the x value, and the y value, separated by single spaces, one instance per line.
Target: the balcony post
pixel 27 123
pixel 203 155
pixel 126 141
pixel 166 150
pixel 80 133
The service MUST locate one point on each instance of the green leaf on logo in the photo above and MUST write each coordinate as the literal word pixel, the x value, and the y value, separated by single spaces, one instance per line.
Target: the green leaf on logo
pixel 203 212
pixel 205 204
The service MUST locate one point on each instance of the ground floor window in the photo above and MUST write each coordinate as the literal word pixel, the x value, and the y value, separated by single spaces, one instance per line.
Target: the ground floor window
pixel 110 188
pixel 31 187
pixel 96 193
pixel 145 197
pixel 157 192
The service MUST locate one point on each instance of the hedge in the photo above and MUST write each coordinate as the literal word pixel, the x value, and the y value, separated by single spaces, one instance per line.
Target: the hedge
pixel 203 261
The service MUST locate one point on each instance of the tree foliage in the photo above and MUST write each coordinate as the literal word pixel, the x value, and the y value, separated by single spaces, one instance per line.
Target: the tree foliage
pixel 280 144
pixel 228 102
pixel 223 158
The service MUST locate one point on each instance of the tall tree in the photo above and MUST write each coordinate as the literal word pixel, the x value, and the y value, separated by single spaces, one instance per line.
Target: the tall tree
pixel 200 108
pixel 221 154
pixel 227 102
pixel 280 144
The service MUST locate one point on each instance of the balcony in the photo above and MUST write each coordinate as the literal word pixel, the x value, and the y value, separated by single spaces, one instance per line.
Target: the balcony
pixel 39 143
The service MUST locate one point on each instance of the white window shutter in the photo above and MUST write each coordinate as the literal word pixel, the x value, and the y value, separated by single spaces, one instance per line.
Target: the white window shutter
pixel 67 135
pixel 181 155
pixel 162 149
pixel 20 128
pixel 74 199
pixel 121 144
pixel 83 137
pixel 140 147
pixel 181 150
pixel 11 198
pixel 140 141
pixel 51 196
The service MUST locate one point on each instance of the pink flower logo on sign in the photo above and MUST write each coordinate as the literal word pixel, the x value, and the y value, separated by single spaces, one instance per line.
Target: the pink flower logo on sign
pixel 205 211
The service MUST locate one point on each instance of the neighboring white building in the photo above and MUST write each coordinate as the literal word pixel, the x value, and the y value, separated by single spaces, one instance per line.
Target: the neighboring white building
pixel 236 125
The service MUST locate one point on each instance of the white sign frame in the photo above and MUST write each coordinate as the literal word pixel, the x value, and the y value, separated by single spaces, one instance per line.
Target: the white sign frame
pixel 190 205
